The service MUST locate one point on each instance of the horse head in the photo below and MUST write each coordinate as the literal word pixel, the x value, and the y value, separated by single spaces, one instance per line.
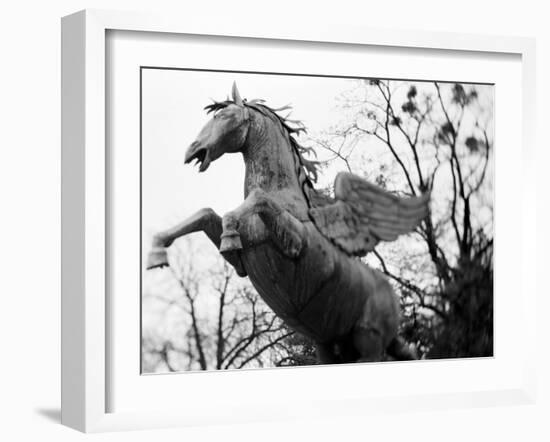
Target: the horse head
pixel 224 133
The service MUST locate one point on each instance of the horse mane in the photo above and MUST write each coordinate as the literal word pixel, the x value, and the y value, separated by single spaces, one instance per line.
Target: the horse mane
pixel 306 170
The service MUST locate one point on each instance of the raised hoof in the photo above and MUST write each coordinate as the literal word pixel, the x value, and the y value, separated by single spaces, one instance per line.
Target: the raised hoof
pixel 231 241
pixel 157 258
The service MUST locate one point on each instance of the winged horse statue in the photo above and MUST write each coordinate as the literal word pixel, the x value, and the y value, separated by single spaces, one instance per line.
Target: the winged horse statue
pixel 300 248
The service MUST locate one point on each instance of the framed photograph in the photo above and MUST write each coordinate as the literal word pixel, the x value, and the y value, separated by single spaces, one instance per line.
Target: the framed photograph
pixel 357 271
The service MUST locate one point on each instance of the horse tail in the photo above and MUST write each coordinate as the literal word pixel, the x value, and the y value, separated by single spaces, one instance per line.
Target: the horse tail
pixel 400 351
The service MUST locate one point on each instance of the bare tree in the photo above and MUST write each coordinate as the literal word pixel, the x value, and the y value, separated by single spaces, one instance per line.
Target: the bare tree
pixel 218 320
pixel 414 137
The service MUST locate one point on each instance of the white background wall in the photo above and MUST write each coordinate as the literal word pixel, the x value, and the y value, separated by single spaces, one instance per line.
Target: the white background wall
pixel 30 220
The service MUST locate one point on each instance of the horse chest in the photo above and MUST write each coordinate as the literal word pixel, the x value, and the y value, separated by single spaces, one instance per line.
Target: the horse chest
pixel 308 293
pixel 274 276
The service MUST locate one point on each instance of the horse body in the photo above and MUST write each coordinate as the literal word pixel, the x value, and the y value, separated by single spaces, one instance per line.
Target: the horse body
pixel 323 292
pixel 346 307
pixel 320 294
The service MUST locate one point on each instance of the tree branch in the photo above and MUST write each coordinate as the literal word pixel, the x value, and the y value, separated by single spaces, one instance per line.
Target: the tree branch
pixel 221 339
pixel 194 322
pixel 409 286
pixel 264 348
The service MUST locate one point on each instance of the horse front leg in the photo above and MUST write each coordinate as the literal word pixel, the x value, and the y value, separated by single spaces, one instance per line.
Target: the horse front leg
pixel 205 220
pixel 288 234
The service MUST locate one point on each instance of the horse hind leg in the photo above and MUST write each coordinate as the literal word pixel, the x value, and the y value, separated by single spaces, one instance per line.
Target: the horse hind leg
pixel 205 220
pixel 377 327
pixel 375 334
pixel 363 345
pixel 400 351
pixel 369 343
pixel 325 354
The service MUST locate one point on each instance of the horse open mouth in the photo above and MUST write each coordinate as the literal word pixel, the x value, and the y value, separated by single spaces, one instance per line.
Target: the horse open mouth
pixel 200 156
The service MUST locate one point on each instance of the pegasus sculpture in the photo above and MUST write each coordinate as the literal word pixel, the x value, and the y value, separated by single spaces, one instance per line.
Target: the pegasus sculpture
pixel 299 247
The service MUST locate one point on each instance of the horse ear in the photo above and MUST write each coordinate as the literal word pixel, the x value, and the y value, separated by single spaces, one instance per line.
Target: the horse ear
pixel 236 96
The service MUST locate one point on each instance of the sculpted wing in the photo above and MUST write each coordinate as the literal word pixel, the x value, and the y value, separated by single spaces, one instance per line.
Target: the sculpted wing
pixel 365 214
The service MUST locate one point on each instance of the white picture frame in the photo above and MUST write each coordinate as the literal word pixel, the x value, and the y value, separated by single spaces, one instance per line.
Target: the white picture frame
pixel 85 310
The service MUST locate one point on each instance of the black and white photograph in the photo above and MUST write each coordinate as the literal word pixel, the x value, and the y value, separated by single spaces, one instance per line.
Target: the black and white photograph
pixel 247 221
pixel 296 220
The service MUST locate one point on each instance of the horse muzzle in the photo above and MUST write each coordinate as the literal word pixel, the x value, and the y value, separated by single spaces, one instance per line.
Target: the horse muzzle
pixel 198 153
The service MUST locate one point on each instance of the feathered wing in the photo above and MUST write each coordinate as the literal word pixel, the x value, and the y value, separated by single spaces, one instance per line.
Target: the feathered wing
pixel 365 214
